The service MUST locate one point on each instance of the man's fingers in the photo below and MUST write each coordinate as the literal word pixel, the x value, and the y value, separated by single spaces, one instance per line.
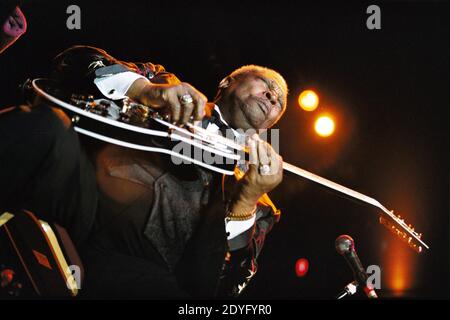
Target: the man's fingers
pixel 175 107
pixel 186 112
pixel 199 109
pixel 196 108
pixel 199 102
pixel 182 100
pixel 276 163
pixel 263 153
pixel 253 152
pixel 280 164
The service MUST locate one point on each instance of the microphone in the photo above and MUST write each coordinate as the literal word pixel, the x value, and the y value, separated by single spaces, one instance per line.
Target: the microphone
pixel 345 246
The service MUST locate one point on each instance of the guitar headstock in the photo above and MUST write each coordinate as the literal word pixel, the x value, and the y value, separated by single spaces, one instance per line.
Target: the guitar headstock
pixel 405 232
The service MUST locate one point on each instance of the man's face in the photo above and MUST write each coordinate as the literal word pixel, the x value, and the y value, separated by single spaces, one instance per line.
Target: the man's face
pixel 254 101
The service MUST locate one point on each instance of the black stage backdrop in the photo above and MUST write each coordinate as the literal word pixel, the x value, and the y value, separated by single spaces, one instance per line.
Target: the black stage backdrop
pixel 387 90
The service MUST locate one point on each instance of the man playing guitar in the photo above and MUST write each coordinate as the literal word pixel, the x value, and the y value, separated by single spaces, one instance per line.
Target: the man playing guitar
pixel 144 226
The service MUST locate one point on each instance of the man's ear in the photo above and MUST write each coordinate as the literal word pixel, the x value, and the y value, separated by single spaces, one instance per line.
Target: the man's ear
pixel 225 83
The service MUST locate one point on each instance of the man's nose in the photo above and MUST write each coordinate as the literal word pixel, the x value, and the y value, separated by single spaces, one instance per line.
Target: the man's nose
pixel 272 97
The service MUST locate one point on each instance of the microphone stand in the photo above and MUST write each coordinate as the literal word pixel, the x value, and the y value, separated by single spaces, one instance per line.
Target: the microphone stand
pixel 349 290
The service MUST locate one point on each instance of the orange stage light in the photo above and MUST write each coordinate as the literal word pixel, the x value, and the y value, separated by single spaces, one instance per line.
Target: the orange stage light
pixel 308 100
pixel 324 126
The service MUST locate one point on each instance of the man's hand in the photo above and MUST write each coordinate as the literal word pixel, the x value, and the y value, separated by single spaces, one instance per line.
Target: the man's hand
pixel 168 96
pixel 256 182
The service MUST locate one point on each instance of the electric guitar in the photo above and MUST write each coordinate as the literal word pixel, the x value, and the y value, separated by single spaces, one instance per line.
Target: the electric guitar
pixel 35 258
pixel 133 125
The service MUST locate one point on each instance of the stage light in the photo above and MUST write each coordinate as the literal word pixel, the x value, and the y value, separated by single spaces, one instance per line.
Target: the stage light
pixel 308 100
pixel 324 126
pixel 301 267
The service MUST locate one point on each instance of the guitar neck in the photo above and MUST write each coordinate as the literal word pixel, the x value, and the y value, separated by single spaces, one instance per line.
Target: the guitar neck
pixel 396 224
pixel 332 185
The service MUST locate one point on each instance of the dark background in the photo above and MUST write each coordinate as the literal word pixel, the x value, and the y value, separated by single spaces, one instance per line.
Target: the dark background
pixel 387 90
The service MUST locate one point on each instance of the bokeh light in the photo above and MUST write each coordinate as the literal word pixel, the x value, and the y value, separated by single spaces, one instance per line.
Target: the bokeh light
pixel 324 126
pixel 308 100
pixel 301 267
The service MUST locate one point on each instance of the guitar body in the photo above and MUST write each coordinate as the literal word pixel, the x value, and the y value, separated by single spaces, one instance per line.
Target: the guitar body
pixel 132 125
pixel 32 262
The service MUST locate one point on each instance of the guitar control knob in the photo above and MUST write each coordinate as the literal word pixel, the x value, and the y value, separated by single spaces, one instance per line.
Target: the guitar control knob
pixel 105 103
